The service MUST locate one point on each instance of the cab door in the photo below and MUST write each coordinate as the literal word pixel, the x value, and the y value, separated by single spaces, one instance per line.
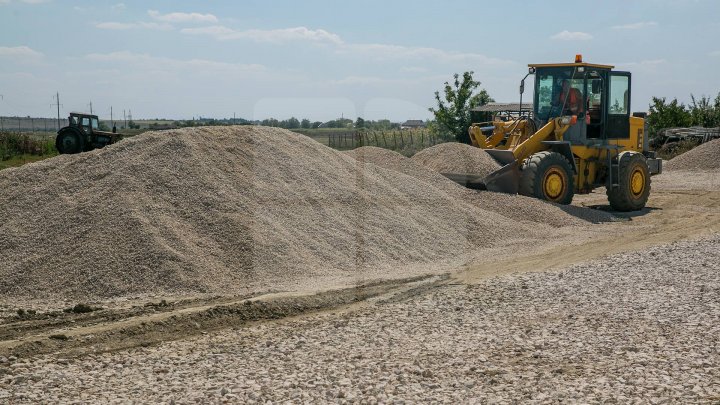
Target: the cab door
pixel 618 106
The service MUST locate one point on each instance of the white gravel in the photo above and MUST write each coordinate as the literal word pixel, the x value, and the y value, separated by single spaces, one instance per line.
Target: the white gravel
pixel 632 328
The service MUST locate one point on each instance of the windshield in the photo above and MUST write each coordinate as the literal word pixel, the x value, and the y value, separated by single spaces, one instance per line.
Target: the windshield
pixel 559 91
pixel 94 123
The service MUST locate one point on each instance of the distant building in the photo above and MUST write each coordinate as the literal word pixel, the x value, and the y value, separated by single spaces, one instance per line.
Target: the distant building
pixel 412 124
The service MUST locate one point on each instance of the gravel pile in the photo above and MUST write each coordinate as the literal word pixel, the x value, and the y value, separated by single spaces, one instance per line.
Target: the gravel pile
pixel 633 328
pixel 703 157
pixel 515 207
pixel 453 157
pixel 223 210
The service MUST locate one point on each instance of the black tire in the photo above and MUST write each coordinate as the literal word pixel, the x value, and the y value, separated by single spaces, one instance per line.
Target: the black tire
pixel 548 176
pixel 633 179
pixel 69 141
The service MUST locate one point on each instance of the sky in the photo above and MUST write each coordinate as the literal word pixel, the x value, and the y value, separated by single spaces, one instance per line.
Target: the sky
pixel 326 59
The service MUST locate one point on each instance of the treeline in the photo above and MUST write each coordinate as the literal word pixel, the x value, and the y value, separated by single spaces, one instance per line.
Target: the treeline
pixel 702 112
pixel 290 123
pixel 294 123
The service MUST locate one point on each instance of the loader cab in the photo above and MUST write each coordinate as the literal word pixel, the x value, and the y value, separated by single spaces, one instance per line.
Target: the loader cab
pixel 602 96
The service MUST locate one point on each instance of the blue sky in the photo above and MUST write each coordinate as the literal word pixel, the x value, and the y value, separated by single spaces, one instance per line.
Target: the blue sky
pixel 323 59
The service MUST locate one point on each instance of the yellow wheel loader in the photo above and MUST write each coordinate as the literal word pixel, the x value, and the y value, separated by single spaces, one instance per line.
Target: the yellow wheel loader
pixel 579 136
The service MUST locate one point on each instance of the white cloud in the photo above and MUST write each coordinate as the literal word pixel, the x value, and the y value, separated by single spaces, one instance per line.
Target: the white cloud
pixel 384 51
pixel 413 69
pixel 182 17
pixel 26 1
pixel 118 6
pixel 572 36
pixel 199 65
pixel 19 52
pixel 275 36
pixel 635 26
pixel 128 26
pixel 380 51
pixel 714 53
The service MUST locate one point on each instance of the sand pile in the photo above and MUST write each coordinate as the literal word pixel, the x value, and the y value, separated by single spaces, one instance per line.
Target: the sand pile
pixel 703 157
pixel 453 157
pixel 221 210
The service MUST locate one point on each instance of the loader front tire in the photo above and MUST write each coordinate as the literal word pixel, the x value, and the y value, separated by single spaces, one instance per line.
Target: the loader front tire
pixel 548 176
pixel 633 179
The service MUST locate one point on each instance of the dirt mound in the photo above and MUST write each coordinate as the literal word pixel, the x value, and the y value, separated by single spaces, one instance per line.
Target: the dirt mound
pixel 222 210
pixel 703 157
pixel 453 157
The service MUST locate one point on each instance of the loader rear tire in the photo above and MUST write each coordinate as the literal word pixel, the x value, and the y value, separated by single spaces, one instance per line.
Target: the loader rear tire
pixel 633 179
pixel 548 176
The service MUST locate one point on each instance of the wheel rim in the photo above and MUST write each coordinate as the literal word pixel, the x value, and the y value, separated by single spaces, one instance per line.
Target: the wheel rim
pixel 637 182
pixel 69 143
pixel 554 184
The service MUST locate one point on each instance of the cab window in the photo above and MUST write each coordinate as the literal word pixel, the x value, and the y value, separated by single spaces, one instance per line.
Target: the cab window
pixel 94 123
pixel 619 95
pixel 85 122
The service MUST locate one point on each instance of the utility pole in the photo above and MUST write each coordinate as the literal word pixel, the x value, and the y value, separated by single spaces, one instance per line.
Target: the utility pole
pixel 90 107
pixel 111 117
pixel 124 119
pixel 57 103
pixel 2 128
pixel 234 119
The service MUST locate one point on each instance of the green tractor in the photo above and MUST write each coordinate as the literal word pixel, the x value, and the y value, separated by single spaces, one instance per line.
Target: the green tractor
pixel 83 134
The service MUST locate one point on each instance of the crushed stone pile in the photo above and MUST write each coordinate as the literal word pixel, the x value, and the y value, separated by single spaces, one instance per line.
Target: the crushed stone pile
pixel 453 157
pixel 231 210
pixel 705 157
pixel 220 210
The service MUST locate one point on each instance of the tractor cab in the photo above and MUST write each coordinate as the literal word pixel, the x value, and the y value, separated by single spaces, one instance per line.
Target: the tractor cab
pixel 596 96
pixel 86 122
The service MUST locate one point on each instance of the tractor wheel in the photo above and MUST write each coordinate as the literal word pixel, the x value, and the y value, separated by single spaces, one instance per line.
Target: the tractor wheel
pixel 69 141
pixel 633 181
pixel 548 176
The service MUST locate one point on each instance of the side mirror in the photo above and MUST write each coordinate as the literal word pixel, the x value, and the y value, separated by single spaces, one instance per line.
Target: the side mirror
pixel 522 86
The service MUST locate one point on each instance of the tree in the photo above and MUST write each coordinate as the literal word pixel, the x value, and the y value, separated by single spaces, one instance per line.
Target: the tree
pixel 305 123
pixel 704 113
pixel 455 115
pixel 359 123
pixel 667 115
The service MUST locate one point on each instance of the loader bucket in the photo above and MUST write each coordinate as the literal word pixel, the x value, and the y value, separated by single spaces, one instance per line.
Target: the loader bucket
pixel 468 180
pixel 504 180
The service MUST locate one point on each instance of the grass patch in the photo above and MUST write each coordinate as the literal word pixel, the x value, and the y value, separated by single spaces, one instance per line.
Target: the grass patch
pixel 17 149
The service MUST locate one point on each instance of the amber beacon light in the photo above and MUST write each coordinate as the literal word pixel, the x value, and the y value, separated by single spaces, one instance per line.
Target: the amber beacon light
pixel 578 58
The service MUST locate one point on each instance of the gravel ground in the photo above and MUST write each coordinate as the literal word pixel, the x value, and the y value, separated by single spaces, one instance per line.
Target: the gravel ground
pixel 687 180
pixel 632 328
